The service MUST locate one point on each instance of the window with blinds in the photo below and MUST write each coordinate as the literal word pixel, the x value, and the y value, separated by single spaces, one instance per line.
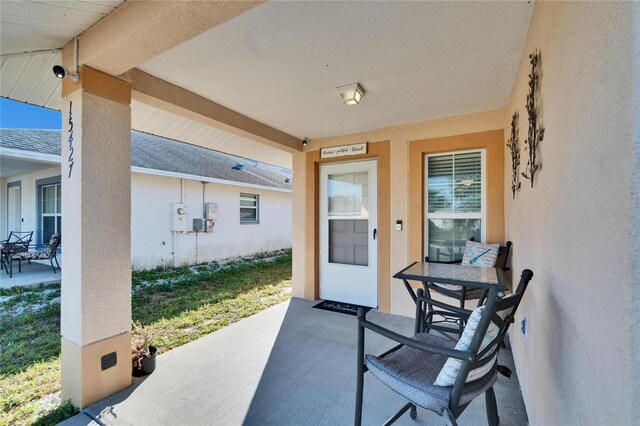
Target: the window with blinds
pixel 249 208
pixel 51 213
pixel 454 203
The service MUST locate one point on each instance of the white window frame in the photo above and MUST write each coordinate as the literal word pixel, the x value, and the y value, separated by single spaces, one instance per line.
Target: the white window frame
pixel 58 187
pixel 483 196
pixel 257 208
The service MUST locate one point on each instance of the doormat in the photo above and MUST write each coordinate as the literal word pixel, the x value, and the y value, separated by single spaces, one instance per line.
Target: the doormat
pixel 341 307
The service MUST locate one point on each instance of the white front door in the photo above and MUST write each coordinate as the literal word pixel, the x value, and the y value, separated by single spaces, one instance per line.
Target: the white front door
pixel 348 232
pixel 14 219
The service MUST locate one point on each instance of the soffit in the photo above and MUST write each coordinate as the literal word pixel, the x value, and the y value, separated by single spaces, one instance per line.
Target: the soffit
pixel 28 78
pixel 10 167
pixel 162 123
pixel 33 25
pixel 38 26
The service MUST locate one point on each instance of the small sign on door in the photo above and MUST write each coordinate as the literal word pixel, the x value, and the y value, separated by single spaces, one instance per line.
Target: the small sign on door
pixel 344 151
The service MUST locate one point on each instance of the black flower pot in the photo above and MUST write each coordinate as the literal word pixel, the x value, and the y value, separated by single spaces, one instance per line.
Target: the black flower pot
pixel 148 363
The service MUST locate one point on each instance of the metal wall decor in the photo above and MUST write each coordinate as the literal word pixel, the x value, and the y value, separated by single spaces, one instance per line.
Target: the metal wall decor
pixel 513 143
pixel 536 132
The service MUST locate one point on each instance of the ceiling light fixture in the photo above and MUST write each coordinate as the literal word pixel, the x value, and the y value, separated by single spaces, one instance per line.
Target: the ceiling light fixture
pixel 351 94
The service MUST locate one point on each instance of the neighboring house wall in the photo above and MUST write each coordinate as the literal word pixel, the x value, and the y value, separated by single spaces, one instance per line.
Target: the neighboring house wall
pixel 574 227
pixel 151 211
pixel 3 209
pixel 29 200
pixel 151 219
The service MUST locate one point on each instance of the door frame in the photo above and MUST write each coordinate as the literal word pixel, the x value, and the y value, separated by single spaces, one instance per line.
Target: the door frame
pixel 370 164
pixel 381 152
pixel 10 185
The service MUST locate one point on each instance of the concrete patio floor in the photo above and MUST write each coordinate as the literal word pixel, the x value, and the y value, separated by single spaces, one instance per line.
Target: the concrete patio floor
pixel 288 365
pixel 39 272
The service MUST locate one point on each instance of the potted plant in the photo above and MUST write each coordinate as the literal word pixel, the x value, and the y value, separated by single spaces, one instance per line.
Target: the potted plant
pixel 143 355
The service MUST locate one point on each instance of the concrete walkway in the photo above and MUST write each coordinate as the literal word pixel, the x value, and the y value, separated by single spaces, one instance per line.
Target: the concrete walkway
pixel 288 365
pixel 39 272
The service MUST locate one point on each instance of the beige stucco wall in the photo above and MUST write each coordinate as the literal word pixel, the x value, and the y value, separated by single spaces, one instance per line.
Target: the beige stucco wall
pixel 399 136
pixel 96 206
pixel 574 228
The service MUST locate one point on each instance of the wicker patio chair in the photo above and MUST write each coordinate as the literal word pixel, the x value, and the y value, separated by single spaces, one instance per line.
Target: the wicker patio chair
pixel 416 364
pixel 50 254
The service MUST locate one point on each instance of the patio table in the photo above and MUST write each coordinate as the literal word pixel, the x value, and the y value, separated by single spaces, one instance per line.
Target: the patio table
pixel 467 276
pixel 492 280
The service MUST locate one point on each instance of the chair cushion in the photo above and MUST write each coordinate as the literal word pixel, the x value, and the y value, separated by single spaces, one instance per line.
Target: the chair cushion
pixel 54 241
pixel 411 372
pixel 13 248
pixel 32 255
pixel 476 254
pixel 450 369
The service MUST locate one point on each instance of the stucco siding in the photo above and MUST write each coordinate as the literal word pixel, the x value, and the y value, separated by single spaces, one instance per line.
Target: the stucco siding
pixel 573 229
pixel 3 210
pixel 635 180
pixel 151 241
pixel 151 217
pixel 29 200
pixel 399 203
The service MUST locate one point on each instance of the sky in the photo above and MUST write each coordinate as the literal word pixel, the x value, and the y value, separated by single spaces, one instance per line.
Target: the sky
pixel 18 115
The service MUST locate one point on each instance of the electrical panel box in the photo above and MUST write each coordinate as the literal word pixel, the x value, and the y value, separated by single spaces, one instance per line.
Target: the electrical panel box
pixel 199 225
pixel 179 218
pixel 211 211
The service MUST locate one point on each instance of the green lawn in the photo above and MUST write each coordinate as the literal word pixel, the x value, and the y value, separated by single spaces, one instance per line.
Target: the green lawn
pixel 176 305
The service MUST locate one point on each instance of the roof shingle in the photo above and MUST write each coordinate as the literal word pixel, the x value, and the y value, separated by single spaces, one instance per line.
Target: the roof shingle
pixel 158 153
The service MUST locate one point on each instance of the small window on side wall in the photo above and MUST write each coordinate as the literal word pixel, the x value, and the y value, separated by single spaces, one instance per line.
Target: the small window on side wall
pixel 249 208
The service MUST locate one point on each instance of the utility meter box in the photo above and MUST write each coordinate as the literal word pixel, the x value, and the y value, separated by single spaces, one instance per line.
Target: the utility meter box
pixel 211 211
pixel 179 223
pixel 199 225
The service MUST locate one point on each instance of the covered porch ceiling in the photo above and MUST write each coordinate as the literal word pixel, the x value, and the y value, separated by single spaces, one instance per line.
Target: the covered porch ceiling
pixel 279 64
pixel 11 166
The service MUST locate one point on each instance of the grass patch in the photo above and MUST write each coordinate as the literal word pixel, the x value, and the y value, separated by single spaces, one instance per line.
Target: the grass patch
pixel 177 305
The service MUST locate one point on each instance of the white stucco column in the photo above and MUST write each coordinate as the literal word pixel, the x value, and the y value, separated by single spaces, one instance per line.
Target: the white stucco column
pixel 299 224
pixel 96 237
